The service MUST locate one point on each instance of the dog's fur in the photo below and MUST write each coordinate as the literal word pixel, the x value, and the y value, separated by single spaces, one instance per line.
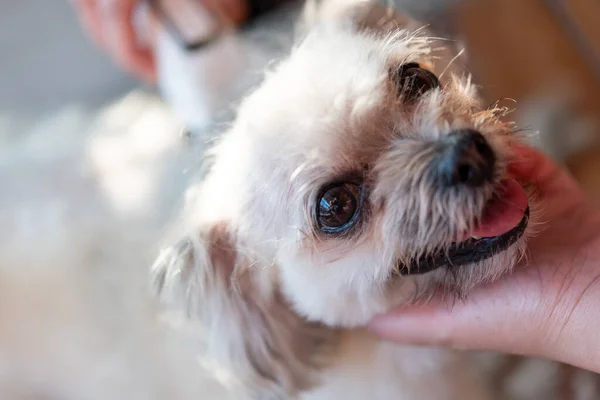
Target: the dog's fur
pixel 282 304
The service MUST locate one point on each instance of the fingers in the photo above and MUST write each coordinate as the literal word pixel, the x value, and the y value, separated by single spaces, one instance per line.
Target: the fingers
pixel 122 40
pixel 110 24
pixel 236 11
pixel 529 165
pixel 91 19
pixel 490 321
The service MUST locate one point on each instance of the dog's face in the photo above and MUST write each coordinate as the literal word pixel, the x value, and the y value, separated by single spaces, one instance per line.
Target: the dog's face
pixel 353 180
pixel 361 165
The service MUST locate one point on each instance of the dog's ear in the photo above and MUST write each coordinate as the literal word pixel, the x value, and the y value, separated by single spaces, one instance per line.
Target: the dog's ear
pixel 250 330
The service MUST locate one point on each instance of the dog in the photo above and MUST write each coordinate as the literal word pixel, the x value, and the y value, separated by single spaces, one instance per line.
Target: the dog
pixel 362 174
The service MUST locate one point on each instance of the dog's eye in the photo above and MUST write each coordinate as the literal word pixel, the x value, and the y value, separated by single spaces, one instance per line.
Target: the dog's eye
pixel 338 208
pixel 413 81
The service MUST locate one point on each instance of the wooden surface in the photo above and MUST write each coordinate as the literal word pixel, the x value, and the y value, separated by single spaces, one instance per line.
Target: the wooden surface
pixel 522 50
pixel 587 13
pixel 518 49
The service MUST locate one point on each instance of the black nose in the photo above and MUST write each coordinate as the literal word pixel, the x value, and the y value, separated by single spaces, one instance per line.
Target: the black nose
pixel 467 159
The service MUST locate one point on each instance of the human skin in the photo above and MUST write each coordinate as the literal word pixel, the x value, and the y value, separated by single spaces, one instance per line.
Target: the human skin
pixel 549 307
pixel 110 24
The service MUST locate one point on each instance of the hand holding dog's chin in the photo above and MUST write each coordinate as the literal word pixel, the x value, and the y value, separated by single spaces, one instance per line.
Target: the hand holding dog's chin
pixel 548 307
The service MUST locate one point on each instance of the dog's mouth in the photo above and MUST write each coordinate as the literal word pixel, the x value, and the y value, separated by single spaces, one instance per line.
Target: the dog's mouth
pixel 504 222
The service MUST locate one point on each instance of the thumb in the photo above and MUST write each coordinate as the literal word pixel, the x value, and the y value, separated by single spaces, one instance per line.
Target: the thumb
pixel 531 166
pixel 490 321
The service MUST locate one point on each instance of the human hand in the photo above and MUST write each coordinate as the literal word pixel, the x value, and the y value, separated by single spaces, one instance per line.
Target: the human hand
pixel 110 24
pixel 550 308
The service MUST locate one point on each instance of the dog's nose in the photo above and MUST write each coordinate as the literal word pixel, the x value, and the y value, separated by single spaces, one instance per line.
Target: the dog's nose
pixel 468 159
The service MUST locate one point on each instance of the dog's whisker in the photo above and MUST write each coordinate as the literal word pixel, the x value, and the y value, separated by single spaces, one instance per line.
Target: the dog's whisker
pixel 460 53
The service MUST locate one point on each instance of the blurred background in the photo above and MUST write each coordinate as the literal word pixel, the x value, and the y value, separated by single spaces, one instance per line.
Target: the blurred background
pixel 93 165
pixel 544 54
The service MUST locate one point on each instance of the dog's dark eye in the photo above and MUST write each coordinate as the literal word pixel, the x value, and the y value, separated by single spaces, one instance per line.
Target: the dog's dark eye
pixel 413 81
pixel 338 208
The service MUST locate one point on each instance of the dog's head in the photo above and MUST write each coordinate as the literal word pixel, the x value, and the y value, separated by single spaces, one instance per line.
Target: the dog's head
pixel 355 178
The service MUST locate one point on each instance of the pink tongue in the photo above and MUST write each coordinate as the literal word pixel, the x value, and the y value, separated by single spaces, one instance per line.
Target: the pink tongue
pixel 504 213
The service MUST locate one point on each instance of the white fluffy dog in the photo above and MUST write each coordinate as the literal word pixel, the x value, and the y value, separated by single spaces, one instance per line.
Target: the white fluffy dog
pixel 359 176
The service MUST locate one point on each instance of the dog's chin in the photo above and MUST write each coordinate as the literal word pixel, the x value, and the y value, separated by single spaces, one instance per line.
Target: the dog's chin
pixel 505 221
